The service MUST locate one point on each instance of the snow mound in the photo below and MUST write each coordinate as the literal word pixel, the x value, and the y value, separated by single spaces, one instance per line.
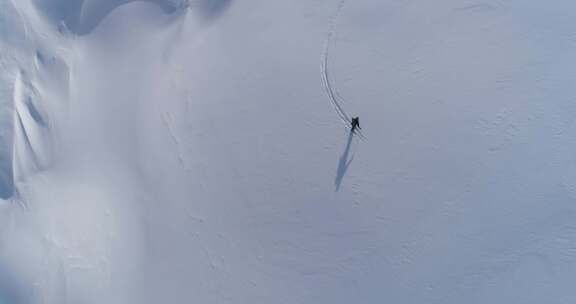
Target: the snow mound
pixel 82 16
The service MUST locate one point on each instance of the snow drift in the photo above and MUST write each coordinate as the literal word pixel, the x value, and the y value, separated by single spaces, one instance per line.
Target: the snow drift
pixel 186 151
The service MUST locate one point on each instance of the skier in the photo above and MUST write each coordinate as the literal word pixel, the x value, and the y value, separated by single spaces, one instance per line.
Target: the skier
pixel 355 123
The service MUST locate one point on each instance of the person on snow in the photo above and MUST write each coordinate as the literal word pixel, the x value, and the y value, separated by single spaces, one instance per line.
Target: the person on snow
pixel 355 123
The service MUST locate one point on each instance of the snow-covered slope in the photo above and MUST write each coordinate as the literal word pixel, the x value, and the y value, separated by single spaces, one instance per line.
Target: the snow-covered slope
pixel 168 151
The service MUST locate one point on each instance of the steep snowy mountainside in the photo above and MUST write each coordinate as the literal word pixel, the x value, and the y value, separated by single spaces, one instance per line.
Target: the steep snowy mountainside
pixel 192 151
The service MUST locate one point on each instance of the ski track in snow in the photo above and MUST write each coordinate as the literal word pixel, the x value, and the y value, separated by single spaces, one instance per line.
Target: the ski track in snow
pixel 332 95
pixel 335 98
pixel 166 119
pixel 133 170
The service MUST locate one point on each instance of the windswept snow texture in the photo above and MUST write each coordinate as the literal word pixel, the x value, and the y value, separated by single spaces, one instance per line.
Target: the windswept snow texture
pixel 167 151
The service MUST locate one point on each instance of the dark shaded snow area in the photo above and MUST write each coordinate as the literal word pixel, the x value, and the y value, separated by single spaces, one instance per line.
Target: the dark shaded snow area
pixel 169 151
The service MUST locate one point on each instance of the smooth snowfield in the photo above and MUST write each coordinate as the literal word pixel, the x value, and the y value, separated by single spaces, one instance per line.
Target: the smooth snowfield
pixel 169 151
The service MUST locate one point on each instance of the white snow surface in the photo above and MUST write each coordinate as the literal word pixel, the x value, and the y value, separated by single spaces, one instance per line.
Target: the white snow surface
pixel 168 151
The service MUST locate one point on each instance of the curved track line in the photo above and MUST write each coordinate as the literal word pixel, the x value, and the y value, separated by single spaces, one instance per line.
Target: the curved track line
pixel 332 94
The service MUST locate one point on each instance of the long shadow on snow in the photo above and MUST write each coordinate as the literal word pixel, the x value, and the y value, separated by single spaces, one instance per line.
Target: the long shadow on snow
pixel 6 176
pixel 11 288
pixel 6 184
pixel 344 163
